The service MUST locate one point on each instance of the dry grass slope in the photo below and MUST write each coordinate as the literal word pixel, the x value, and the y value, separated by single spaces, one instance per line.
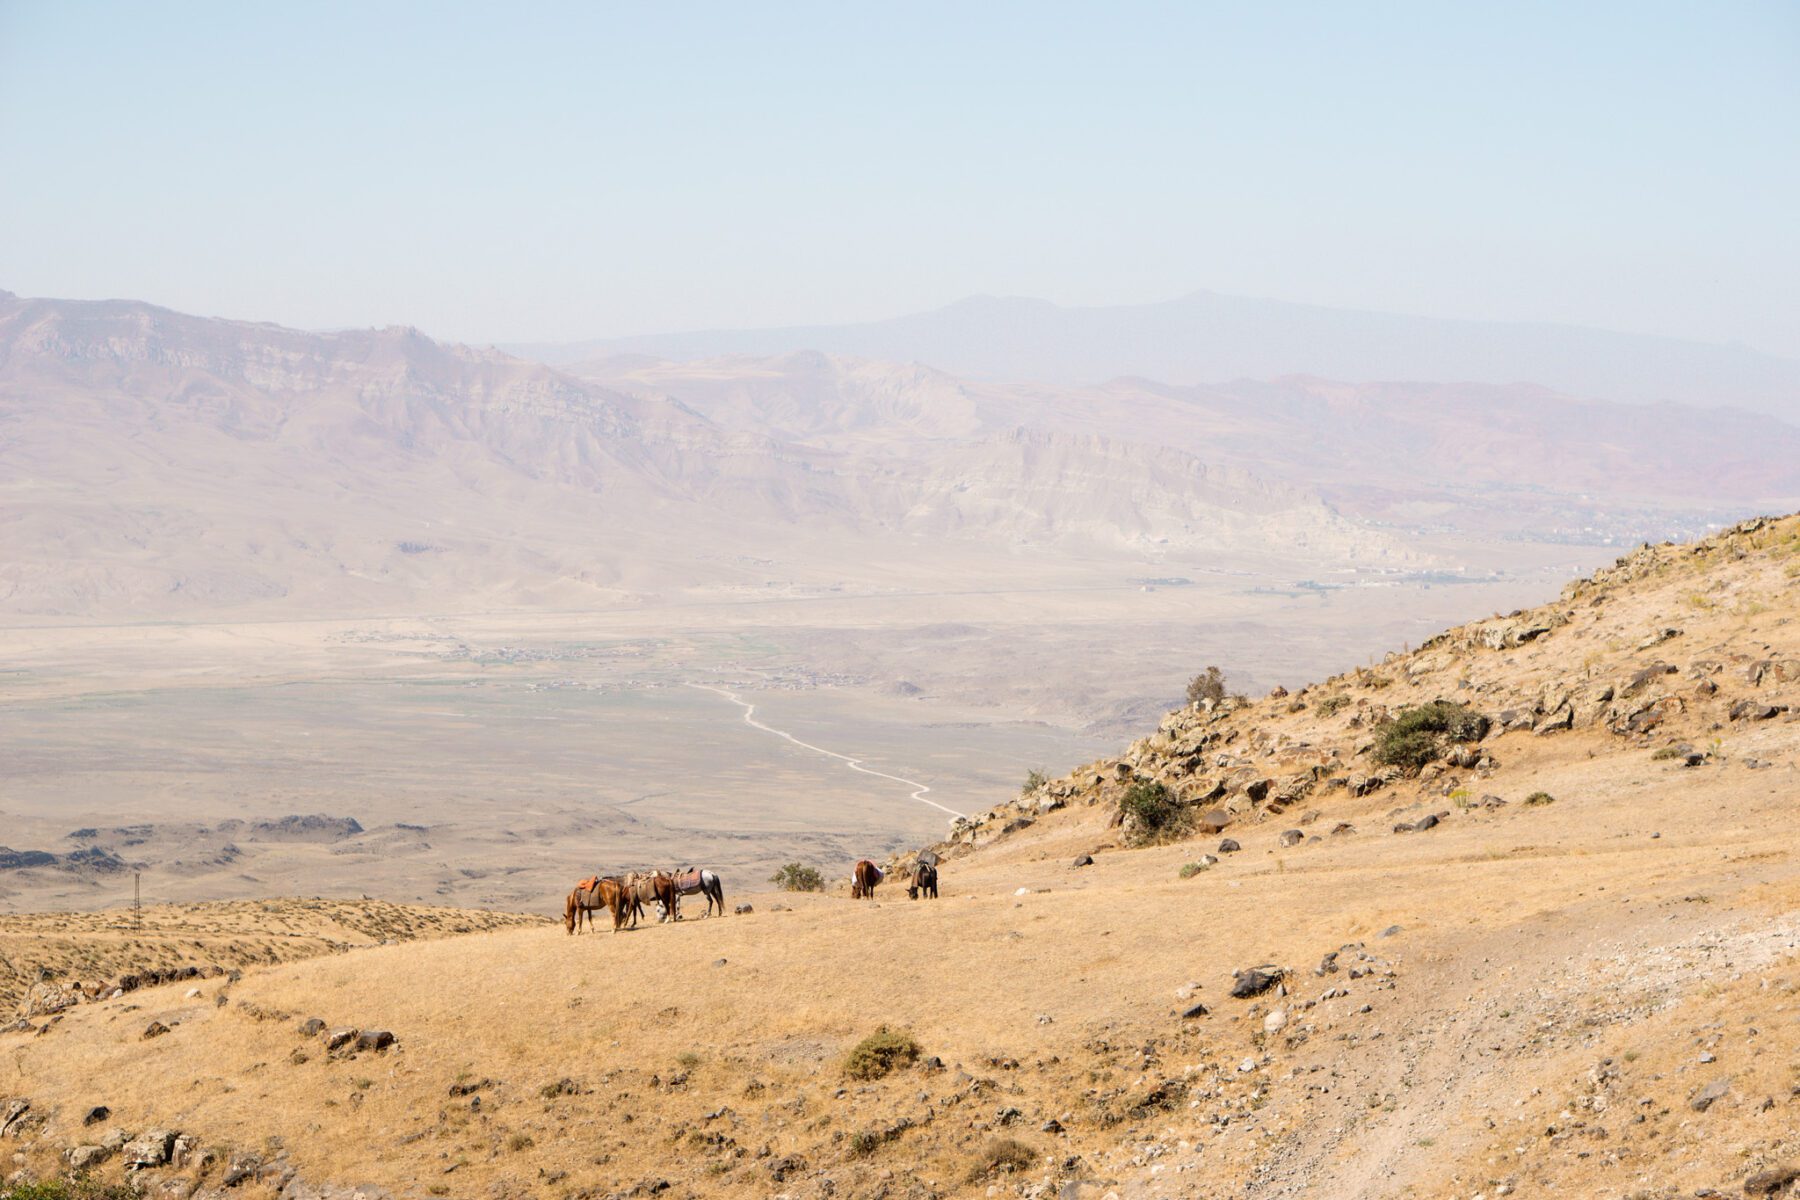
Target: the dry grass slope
pixel 1595 996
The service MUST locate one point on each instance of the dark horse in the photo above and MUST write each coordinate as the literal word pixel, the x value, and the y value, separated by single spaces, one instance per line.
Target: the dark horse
pixel 591 895
pixel 863 880
pixel 924 879
pixel 700 881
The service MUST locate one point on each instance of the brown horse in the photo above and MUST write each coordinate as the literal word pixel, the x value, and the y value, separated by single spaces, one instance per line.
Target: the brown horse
pixel 863 880
pixel 658 887
pixel 924 879
pixel 591 895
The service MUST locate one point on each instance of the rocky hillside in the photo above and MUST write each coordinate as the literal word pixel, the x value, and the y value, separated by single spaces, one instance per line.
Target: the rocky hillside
pixel 1510 914
pixel 1669 652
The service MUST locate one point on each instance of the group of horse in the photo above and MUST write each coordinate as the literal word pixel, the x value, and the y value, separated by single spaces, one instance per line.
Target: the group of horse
pixel 624 896
pixel 922 881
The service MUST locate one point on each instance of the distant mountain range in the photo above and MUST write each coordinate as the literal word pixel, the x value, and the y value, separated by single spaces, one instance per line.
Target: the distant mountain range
pixel 1210 338
pixel 153 463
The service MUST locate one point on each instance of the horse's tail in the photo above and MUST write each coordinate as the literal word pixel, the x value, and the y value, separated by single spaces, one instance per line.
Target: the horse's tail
pixel 716 890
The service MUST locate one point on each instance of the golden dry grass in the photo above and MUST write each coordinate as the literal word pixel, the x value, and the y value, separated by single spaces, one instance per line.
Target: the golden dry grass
pixel 1648 916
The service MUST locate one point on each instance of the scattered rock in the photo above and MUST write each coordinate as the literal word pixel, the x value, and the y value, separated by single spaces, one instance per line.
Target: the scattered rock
pixel 1428 821
pixel 1229 846
pixel 337 1039
pixel 155 1029
pixel 1342 828
pixel 1710 1095
pixel 1276 1021
pixel 149 1150
pixel 1291 837
pixel 1084 860
pixel 744 910
pixel 1754 710
pixel 1771 1181
pixel 96 1114
pixel 1390 931
pixel 1254 981
pixel 83 1158
pixel 785 1166
pixel 374 1039
pixel 1198 1010
pixel 312 1027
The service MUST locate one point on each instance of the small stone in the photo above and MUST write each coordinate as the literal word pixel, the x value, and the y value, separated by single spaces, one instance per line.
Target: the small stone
pixel 1084 860
pixel 1710 1095
pixel 1291 837
pixel 1248 1065
pixel 1276 1021
pixel 744 910
pixel 312 1027
pixel 337 1039
pixel 1198 1010
pixel 1709 1057
pixel 1390 931
pixel 155 1029
pixel 1229 846
pixel 96 1114
pixel 1254 981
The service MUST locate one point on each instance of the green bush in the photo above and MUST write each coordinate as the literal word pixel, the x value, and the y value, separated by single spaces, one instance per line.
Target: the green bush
pixel 60 1189
pixel 1189 870
pixel 796 878
pixel 1207 685
pixel 1150 813
pixel 1332 705
pixel 881 1052
pixel 1416 736
pixel 1539 799
pixel 1034 779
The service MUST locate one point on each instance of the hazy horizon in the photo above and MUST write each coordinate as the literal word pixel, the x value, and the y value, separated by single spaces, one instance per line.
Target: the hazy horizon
pixel 575 173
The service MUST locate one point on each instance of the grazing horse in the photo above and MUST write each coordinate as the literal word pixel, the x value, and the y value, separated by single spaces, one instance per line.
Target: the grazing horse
pixel 863 880
pixel 701 880
pixel 924 879
pixel 658 887
pixel 591 895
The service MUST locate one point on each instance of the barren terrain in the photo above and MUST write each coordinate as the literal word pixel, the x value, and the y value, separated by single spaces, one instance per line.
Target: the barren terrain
pixel 1581 979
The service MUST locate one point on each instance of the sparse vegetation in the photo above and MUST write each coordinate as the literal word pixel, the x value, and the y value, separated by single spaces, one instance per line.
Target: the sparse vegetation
pixel 1002 1156
pixel 66 1189
pixel 1034 779
pixel 1189 870
pixel 1150 813
pixel 1539 799
pixel 881 1052
pixel 1207 685
pixel 795 877
pixel 1417 736
pixel 1333 704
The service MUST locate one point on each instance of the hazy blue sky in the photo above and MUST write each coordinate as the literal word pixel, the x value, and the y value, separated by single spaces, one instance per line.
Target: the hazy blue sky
pixel 514 172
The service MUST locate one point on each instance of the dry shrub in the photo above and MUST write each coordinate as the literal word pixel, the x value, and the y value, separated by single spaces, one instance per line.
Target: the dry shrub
pixel 880 1053
pixel 1001 1156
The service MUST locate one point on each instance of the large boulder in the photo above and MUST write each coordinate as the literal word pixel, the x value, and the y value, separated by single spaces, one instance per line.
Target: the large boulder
pixel 151 1149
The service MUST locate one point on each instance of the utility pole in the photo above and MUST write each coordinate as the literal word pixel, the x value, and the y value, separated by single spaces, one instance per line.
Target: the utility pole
pixel 137 901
